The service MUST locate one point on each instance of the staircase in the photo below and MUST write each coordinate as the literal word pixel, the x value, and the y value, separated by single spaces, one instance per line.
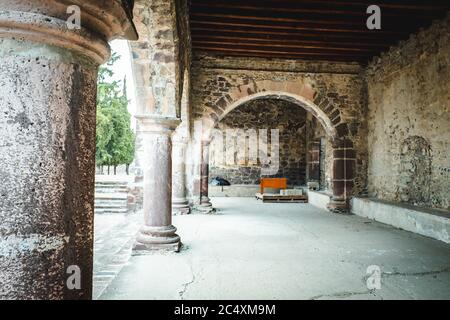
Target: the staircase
pixel 111 196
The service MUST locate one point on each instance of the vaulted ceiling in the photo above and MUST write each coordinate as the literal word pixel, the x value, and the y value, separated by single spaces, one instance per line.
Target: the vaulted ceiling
pixel 301 29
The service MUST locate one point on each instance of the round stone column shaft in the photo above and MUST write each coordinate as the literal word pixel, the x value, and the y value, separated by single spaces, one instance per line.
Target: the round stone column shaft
pixel 48 77
pixel 180 204
pixel 343 175
pixel 157 232
pixel 205 202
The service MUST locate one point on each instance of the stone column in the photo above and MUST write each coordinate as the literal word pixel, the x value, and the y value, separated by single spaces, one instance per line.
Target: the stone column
pixel 157 232
pixel 48 77
pixel 344 161
pixel 205 202
pixel 313 169
pixel 180 204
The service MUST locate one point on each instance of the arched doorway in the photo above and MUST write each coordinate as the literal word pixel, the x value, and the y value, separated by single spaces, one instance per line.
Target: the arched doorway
pixel 343 157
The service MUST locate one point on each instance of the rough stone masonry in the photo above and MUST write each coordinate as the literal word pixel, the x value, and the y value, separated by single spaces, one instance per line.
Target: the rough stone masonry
pixel 409 120
pixel 338 91
pixel 265 114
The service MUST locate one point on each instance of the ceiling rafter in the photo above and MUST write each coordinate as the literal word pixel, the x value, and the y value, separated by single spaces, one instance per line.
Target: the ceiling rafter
pixel 330 30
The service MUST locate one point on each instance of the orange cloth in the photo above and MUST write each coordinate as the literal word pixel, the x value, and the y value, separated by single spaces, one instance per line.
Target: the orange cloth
pixel 278 183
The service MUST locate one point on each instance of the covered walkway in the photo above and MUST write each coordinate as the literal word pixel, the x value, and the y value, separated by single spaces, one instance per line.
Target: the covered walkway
pixel 250 250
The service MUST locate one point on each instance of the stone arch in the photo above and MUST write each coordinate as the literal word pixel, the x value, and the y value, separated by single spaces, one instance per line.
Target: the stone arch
pixel 294 98
pixel 324 103
pixel 321 107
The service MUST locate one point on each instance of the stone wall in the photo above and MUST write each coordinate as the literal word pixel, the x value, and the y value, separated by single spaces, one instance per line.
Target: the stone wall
pixel 409 120
pixel 288 118
pixel 335 93
pixel 184 51
pixel 160 55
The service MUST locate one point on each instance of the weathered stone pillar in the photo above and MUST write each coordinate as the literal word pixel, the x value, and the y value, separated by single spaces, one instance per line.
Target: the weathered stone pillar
pixel 48 76
pixel 157 231
pixel 344 160
pixel 158 59
pixel 180 204
pixel 205 202
pixel 313 169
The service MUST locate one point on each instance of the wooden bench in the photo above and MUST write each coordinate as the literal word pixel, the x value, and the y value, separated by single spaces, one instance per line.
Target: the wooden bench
pixel 280 198
pixel 277 183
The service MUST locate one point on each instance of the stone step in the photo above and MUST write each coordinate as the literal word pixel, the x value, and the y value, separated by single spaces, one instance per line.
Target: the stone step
pixel 105 204
pixel 110 210
pixel 112 202
pixel 111 184
pixel 110 196
pixel 109 205
pixel 111 187
pixel 102 192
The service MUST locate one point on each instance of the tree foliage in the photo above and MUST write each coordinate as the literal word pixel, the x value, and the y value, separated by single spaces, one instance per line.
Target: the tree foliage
pixel 115 139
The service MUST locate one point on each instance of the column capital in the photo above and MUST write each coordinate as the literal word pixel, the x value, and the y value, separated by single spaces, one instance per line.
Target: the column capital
pixel 46 21
pixel 157 124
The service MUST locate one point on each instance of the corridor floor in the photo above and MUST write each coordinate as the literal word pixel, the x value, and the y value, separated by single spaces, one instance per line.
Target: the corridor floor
pixel 251 250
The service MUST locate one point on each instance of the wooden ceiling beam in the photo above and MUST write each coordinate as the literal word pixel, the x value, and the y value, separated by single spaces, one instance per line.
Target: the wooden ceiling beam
pixel 295 27
pixel 411 5
pixel 242 48
pixel 373 38
pixel 329 30
pixel 285 41
pixel 387 24
pixel 239 53
pixel 418 5
pixel 299 7
pixel 300 47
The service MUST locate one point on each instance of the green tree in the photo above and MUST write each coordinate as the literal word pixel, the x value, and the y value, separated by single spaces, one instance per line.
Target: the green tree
pixel 115 139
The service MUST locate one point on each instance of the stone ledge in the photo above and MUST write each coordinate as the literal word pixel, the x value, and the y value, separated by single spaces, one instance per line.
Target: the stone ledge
pixel 241 190
pixel 319 199
pixel 424 221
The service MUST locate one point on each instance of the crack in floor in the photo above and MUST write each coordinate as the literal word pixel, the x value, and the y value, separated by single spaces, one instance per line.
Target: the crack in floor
pixel 349 294
pixel 412 274
pixel 187 284
pixel 342 294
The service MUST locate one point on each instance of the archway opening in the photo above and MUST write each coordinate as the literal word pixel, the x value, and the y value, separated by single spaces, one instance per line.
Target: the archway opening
pixel 274 136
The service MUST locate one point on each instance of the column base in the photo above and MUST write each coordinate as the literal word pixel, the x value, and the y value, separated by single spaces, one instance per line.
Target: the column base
pixel 206 206
pixel 181 211
pixel 339 205
pixel 157 238
pixel 142 249
pixel 180 207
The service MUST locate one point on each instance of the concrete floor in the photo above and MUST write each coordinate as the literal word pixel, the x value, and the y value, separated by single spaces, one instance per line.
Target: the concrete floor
pixel 251 250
